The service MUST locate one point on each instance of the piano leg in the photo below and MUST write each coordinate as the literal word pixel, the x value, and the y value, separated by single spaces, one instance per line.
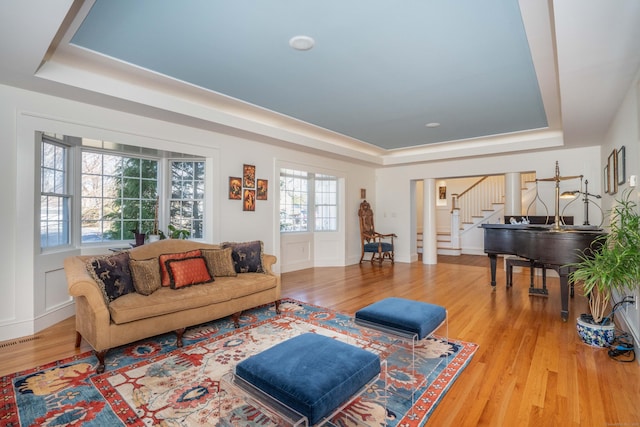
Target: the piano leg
pixel 563 272
pixel 493 261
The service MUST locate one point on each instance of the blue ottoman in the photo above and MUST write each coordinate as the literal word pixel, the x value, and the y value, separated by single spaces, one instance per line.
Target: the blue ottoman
pixel 312 374
pixel 403 315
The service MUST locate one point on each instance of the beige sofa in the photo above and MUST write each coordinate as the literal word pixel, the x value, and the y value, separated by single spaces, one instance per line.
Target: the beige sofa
pixel 134 316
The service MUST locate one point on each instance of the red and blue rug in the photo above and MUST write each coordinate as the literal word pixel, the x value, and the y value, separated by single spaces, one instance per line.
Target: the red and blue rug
pixel 153 383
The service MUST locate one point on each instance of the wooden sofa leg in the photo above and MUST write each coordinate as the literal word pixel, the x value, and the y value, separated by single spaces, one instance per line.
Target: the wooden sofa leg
pixel 179 334
pixel 101 355
pixel 236 319
pixel 78 339
pixel 277 303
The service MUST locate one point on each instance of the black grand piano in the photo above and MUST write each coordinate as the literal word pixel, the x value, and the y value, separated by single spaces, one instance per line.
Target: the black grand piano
pixel 543 244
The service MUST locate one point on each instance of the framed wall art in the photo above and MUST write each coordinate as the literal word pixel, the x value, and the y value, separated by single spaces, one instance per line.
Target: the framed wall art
pixel 249 200
pixel 442 192
pixel 262 189
pixel 235 188
pixel 249 176
pixel 613 172
pixel 621 167
pixel 605 180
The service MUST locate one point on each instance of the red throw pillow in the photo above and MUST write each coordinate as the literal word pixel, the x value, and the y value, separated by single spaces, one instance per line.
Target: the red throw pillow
pixel 188 271
pixel 166 280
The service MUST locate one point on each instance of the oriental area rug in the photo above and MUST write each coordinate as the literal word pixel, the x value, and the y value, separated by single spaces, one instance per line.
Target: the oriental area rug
pixel 153 383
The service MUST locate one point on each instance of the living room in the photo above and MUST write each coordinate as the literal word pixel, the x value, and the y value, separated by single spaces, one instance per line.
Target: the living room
pixel 34 289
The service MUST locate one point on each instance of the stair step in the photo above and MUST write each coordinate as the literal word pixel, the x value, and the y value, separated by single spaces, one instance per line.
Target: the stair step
pixel 449 251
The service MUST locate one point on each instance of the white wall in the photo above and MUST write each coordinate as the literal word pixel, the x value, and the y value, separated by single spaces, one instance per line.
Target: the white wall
pixel 625 131
pixel 22 113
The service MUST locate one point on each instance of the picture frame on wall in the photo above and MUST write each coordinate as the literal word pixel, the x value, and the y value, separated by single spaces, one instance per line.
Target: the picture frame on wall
pixel 262 189
pixel 621 166
pixel 249 176
pixel 249 200
pixel 442 192
pixel 605 179
pixel 235 188
pixel 613 172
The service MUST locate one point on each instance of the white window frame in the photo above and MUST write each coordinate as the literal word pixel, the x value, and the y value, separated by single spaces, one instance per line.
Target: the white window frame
pixel 199 186
pixel 141 224
pixel 326 202
pixel 306 183
pixel 64 195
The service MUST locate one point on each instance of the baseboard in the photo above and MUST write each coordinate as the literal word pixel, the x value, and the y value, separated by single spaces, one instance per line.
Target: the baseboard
pixel 54 316
pixel 15 330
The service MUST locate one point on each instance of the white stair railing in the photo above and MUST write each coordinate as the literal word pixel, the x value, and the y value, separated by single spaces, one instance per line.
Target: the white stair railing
pixel 479 197
pixel 478 200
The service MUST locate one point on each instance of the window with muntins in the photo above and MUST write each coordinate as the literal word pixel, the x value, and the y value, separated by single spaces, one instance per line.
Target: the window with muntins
pixel 118 197
pixel 186 205
pixel 326 202
pixel 302 192
pixel 55 199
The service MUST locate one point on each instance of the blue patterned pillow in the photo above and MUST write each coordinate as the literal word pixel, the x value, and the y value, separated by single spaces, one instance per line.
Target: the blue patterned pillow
pixel 112 274
pixel 247 256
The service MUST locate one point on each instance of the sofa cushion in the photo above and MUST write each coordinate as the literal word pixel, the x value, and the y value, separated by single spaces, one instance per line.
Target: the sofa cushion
pixel 146 275
pixel 220 262
pixel 247 256
pixel 166 300
pixel 187 272
pixel 166 280
pixel 246 284
pixel 112 274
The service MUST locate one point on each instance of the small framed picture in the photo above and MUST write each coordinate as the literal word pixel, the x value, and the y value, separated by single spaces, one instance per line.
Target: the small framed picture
pixel 605 179
pixel 613 172
pixel 442 192
pixel 235 188
pixel 249 203
pixel 262 189
pixel 620 163
pixel 249 176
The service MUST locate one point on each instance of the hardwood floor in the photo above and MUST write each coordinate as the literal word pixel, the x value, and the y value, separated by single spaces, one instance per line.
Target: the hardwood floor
pixel 530 369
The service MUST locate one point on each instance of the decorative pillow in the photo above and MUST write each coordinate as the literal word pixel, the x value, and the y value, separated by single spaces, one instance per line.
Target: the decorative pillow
pixel 146 275
pixel 247 256
pixel 166 280
pixel 220 262
pixel 188 271
pixel 112 274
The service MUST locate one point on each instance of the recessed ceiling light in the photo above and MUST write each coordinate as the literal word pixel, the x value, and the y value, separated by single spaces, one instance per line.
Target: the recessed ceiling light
pixel 301 42
pixel 432 125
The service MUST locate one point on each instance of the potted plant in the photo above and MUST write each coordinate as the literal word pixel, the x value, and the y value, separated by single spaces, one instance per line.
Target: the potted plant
pixel 139 237
pixel 612 263
pixel 178 233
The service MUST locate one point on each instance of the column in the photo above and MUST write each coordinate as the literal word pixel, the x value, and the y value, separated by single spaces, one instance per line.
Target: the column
pixel 429 234
pixel 513 195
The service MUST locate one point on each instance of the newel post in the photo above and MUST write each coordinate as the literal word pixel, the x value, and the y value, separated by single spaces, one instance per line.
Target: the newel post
pixel 455 228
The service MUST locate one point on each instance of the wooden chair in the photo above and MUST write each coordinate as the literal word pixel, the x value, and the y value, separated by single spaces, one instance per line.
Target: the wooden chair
pixel 377 244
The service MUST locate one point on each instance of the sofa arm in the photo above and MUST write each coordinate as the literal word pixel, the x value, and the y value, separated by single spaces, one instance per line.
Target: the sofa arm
pixel 267 263
pixel 92 313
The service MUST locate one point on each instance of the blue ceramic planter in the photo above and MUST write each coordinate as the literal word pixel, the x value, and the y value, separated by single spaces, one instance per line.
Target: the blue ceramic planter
pixel 595 335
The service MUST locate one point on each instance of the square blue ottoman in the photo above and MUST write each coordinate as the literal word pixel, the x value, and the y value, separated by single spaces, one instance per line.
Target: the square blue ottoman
pixel 403 315
pixel 312 374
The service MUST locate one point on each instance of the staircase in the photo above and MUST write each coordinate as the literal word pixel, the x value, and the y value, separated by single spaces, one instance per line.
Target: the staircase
pixel 482 202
